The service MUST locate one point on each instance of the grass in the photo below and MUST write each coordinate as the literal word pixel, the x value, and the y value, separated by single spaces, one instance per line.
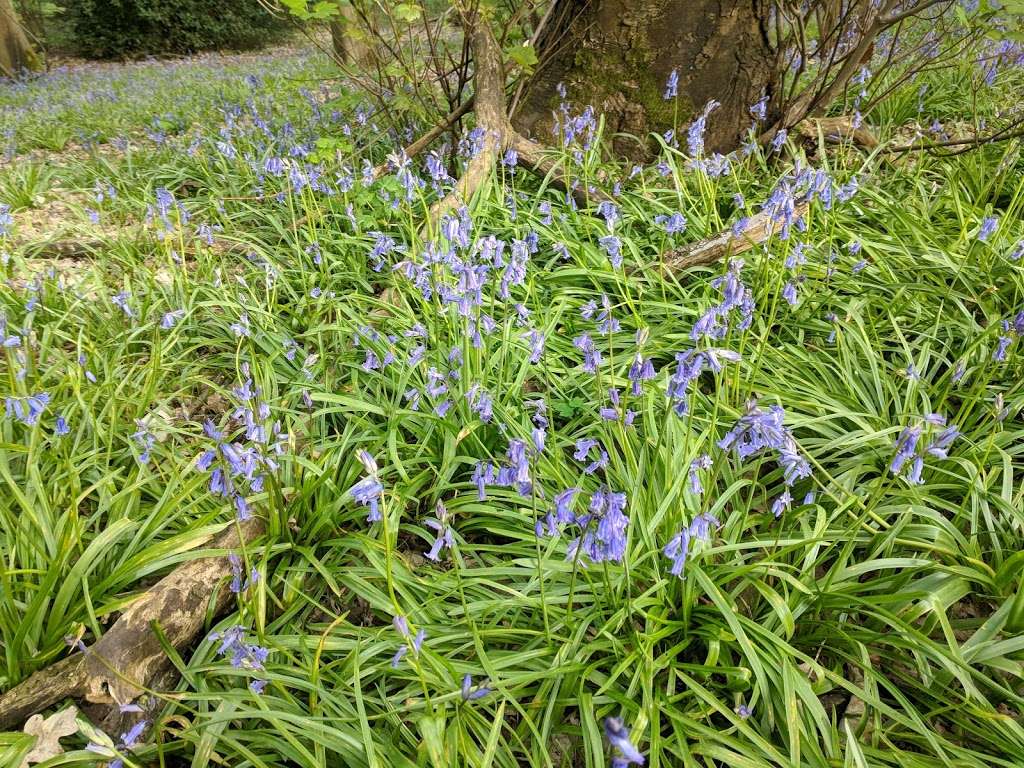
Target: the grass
pixel 877 623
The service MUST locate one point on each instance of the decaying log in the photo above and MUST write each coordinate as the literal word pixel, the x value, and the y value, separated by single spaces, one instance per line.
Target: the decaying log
pixel 759 228
pixel 129 656
pixel 836 130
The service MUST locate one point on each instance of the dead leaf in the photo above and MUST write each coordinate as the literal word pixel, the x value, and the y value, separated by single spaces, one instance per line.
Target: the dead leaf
pixel 48 733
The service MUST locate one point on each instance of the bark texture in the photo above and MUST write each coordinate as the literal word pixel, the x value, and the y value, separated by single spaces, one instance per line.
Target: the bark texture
pixel 16 54
pixel 348 47
pixel 616 55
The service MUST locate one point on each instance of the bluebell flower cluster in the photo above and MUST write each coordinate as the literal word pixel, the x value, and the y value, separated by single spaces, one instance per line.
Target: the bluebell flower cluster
pixel 758 432
pixel 932 436
pixel 625 752
pixel 681 545
pixel 239 468
pixel 243 654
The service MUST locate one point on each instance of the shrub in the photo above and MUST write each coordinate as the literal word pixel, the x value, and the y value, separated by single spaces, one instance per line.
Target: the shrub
pixel 124 28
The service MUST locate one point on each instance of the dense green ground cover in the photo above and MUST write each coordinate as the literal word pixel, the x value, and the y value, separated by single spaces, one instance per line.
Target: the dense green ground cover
pixel 248 277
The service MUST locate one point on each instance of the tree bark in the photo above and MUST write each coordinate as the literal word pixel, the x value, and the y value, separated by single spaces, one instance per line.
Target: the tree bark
pixel 348 49
pixel 616 55
pixel 16 54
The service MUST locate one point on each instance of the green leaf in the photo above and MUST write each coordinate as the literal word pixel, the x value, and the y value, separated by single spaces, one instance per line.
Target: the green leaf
pixel 407 12
pixel 523 55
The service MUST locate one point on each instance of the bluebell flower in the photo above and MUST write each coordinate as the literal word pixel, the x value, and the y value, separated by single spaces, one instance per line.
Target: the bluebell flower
pixel 480 402
pixel 7 342
pixel 911 449
pixel 673 224
pixel 591 354
pixel 415 643
pixel 640 370
pixel 789 293
pixel 237 584
pixel 679 547
pixel 618 736
pixel 244 655
pixel 241 327
pixel 121 300
pixel 779 139
pixel 613 247
pixel 758 432
pixel 368 490
pixel 60 427
pixel 171 318
pixel 536 341
pixel 988 227
pixel 999 355
pixel 695 133
pixel 782 503
pixel 672 86
pixel 468 694
pixel 444 537
pixel 605 525
pixel 744 711
pixel 759 109
pixel 484 474
pixel 701 462
pixel 27 410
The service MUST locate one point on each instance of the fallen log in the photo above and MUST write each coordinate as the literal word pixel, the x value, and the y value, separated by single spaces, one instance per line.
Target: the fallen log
pixel 129 657
pixel 759 228
pixel 836 130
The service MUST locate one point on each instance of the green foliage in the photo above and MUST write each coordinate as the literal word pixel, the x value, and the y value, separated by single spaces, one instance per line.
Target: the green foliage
pixel 523 55
pixel 877 624
pixel 119 28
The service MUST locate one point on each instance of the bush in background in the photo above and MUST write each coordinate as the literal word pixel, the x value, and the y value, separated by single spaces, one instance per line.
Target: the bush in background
pixel 125 28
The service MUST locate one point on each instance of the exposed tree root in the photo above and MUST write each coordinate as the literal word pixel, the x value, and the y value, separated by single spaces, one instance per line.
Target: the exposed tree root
pixel 532 156
pixel 129 658
pixel 498 134
pixel 491 113
pixel 759 228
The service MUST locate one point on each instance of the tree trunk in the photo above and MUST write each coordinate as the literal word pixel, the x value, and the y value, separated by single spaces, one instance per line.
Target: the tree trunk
pixel 616 55
pixel 16 54
pixel 348 48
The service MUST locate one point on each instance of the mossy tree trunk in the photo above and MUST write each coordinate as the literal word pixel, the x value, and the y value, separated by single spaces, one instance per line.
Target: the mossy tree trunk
pixel 16 54
pixel 616 55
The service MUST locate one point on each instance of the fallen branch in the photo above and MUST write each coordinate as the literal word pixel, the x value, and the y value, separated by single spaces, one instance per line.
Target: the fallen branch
pixel 424 141
pixel 836 130
pixel 65 249
pixel 123 663
pixel 758 229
